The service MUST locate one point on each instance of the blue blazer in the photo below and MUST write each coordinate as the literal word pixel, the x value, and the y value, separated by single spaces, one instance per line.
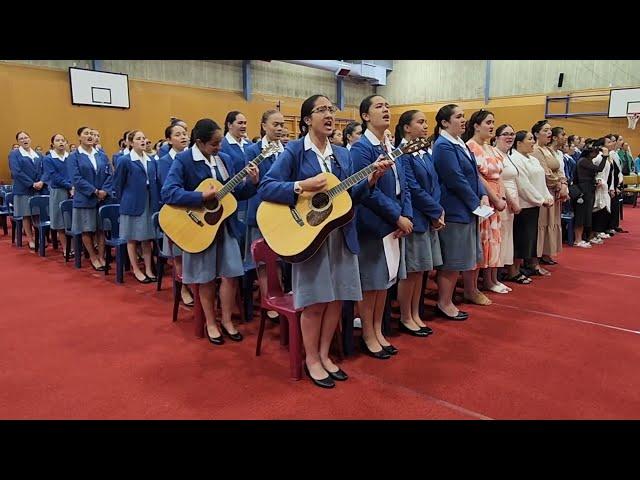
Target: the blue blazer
pixel 186 174
pixel 163 165
pixel 86 180
pixel 25 172
pixel 422 181
pixel 460 184
pixel 294 164
pixel 163 150
pixel 239 160
pixel 57 173
pixel 130 185
pixel 378 214
pixel 251 152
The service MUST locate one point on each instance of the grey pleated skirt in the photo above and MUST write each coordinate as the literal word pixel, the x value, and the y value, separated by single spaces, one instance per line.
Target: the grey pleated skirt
pixel 423 251
pixel 374 273
pixel 222 259
pixel 57 195
pixel 21 206
pixel 253 234
pixel 176 251
pixel 138 227
pixel 331 274
pixel 460 246
pixel 85 220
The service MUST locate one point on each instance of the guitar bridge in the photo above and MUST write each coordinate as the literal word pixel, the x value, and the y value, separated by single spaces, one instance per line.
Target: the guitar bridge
pixel 296 216
pixel 195 219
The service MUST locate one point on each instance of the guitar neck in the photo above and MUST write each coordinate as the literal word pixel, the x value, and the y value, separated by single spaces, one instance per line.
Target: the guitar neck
pixel 238 177
pixel 357 177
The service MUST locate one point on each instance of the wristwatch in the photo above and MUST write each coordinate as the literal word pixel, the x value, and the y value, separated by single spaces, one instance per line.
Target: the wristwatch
pixel 297 188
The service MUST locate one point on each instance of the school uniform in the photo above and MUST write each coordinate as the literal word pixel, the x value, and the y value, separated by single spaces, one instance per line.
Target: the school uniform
pixel 422 245
pixel 55 168
pixel 164 150
pixel 236 150
pixel 163 165
pixel 223 257
pixel 377 215
pixel 461 190
pixel 253 231
pixel 136 185
pixel 26 169
pixel 332 273
pixel 88 171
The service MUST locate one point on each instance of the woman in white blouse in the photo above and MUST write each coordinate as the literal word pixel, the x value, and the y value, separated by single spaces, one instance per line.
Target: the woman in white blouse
pixel 532 194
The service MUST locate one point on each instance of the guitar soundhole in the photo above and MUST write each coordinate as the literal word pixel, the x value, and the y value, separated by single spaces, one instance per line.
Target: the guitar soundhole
pixel 315 218
pixel 213 218
pixel 320 201
pixel 212 204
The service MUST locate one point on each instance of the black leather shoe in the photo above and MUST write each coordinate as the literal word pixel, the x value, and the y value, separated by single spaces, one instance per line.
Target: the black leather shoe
pixel 427 330
pixel 390 349
pixel 146 279
pixel 236 337
pixel 153 279
pixel 415 333
pixel 380 355
pixel 460 316
pixel 340 375
pixel 215 340
pixel 326 382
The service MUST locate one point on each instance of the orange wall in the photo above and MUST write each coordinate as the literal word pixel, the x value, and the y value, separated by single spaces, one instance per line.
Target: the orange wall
pixel 523 112
pixel 38 100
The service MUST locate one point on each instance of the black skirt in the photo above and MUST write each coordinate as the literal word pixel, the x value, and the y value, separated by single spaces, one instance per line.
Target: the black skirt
pixel 525 233
pixel 583 212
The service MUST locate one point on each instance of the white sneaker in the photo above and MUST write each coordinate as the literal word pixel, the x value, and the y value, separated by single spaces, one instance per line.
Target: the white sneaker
pixel 582 244
pixel 603 235
pixel 596 241
pixel 357 323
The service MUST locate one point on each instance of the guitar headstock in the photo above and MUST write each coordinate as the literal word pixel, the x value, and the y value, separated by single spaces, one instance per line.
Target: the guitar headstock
pixel 415 145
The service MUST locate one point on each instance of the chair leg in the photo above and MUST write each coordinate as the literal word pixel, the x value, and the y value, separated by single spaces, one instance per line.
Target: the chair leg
pixel 18 233
pixel 13 231
pixel 177 287
pixel 160 273
pixel 198 313
pixel 54 239
pixel 263 320
pixel 421 309
pixel 43 241
pixel 347 328
pixel 3 220
pixel 284 332
pixel 120 254
pixel 247 295
pixel 295 346
pixel 78 250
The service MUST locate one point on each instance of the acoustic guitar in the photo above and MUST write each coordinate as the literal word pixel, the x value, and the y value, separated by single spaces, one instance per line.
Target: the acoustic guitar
pixel 296 233
pixel 194 229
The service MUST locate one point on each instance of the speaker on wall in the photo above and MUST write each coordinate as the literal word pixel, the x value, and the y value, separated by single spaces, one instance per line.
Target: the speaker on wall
pixel 560 80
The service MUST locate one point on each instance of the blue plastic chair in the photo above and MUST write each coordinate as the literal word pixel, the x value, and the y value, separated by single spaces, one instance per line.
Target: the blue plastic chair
pixel 16 222
pixel 110 216
pixel 66 207
pixel 4 211
pixel 39 207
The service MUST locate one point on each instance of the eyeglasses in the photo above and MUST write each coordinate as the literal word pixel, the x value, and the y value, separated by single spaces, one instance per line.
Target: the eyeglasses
pixel 324 109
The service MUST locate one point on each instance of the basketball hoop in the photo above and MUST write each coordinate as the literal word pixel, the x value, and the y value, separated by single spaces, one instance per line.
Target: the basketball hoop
pixel 633 118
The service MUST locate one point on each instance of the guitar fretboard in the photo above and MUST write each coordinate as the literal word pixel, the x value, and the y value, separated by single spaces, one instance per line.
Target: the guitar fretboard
pixel 238 177
pixel 357 177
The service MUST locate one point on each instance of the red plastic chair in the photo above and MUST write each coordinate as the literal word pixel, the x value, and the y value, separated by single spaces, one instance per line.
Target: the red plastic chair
pixel 281 302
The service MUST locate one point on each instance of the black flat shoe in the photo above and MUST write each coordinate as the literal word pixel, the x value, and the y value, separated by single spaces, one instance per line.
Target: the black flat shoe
pixel 340 375
pixel 415 333
pixel 101 268
pixel 390 349
pixel 426 329
pixel 146 279
pixel 326 382
pixel 153 279
pixel 548 262
pixel 215 340
pixel 236 337
pixel 460 316
pixel 382 354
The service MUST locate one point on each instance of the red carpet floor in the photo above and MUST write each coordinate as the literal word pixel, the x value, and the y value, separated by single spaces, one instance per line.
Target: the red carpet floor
pixel 81 347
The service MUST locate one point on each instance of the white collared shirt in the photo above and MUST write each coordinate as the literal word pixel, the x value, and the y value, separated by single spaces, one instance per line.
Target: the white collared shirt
pixel 31 153
pixel 374 141
pixel 172 153
pixel 91 155
pixel 348 146
pixel 415 154
pixel 199 157
pixel 457 141
pixel 323 157
pixel 265 144
pixel 232 140
pixel 143 160
pixel 54 154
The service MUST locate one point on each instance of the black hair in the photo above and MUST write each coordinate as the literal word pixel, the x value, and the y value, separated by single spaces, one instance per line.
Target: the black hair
pixel 82 129
pixel 305 111
pixel 169 130
pixel 264 118
pixel 476 119
pixel 443 114
pixel 231 117
pixel 22 131
pixel 365 105
pixel 520 136
pixel 54 137
pixel 535 129
pixel 348 130
pixel 405 119
pixel 203 130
